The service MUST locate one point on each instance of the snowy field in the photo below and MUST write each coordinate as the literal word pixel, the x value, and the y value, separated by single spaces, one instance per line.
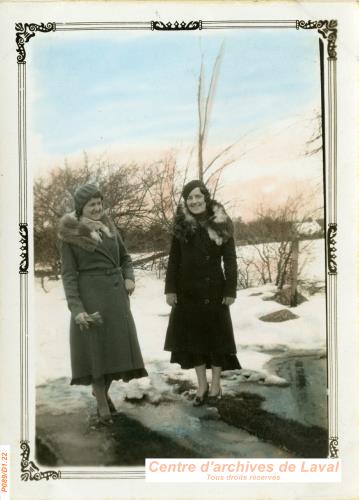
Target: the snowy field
pixel 257 341
pixel 251 261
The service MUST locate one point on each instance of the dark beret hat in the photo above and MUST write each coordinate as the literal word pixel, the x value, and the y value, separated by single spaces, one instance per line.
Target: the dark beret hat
pixel 190 186
pixel 84 193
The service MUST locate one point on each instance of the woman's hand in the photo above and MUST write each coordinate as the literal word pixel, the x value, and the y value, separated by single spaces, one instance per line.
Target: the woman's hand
pixel 171 299
pixel 130 286
pixel 228 301
pixel 83 320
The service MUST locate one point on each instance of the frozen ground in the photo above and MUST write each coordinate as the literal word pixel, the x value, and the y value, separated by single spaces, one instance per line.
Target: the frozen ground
pixel 161 402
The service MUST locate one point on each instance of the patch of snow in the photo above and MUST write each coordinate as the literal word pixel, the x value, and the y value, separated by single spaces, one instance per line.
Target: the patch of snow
pixel 308 228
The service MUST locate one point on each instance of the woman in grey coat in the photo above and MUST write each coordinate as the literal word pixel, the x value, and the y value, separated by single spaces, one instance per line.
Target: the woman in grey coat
pixel 98 278
pixel 200 333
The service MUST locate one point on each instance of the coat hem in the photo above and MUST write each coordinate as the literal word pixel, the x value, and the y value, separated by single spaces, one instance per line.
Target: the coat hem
pixel 188 360
pixel 126 376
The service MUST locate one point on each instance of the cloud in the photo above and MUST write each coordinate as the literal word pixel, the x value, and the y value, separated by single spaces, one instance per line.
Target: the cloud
pixel 248 198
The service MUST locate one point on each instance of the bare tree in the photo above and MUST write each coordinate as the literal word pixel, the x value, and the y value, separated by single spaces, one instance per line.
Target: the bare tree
pixel 204 106
pixel 266 253
pixel 315 143
pixel 275 239
pixel 245 270
pixel 124 190
pixel 210 171
pixel 163 185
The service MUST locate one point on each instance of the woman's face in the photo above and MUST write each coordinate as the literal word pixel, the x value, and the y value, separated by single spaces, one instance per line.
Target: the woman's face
pixel 93 209
pixel 195 201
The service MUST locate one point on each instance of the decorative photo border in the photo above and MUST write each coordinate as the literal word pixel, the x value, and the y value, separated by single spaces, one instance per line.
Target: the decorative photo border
pixel 327 31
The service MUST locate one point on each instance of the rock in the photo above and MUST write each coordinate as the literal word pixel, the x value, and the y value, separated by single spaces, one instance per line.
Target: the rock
pixel 268 298
pixel 283 296
pixel 279 316
pixel 312 286
pixel 255 294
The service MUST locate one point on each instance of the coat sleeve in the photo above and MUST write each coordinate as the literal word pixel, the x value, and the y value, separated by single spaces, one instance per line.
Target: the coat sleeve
pixel 173 265
pixel 125 260
pixel 230 268
pixel 69 273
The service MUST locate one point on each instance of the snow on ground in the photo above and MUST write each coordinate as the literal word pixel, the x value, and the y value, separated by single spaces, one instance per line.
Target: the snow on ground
pixel 311 265
pixel 257 341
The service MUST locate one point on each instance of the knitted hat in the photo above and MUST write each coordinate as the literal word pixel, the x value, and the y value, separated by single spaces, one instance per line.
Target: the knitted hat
pixel 190 186
pixel 84 193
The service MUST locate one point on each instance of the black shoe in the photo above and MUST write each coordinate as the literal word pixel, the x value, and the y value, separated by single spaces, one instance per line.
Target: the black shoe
pixel 216 398
pixel 104 420
pixel 200 400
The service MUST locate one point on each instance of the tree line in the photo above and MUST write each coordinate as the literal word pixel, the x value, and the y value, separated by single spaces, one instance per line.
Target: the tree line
pixel 142 201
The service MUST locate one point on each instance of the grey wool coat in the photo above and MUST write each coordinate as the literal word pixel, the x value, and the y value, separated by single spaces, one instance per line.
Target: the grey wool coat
pixel 93 274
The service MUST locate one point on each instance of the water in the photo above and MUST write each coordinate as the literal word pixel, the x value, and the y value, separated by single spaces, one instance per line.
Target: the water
pixel 305 398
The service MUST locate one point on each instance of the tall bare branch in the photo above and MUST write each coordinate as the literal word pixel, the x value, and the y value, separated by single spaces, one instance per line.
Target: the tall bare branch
pixel 200 122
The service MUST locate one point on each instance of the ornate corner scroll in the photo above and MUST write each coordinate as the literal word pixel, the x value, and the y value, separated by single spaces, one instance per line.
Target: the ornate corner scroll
pixel 27 31
pixel 333 447
pixel 328 30
pixel 24 248
pixel 176 26
pixel 332 233
pixel 30 471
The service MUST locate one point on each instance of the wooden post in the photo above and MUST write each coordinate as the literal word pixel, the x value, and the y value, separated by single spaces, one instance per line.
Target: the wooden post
pixel 294 273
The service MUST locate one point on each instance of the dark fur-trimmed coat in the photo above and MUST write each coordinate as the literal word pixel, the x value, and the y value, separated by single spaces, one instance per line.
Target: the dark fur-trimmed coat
pixel 197 252
pixel 199 322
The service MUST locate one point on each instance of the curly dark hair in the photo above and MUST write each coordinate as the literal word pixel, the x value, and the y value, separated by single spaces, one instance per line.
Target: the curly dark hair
pixel 190 186
pixel 180 225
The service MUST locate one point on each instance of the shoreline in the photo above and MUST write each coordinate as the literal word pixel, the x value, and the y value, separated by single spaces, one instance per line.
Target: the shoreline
pixel 299 399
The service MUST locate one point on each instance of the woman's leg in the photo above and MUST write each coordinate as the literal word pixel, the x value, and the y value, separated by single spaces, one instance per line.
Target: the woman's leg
pixel 216 381
pixel 202 379
pixel 99 390
pixel 107 386
pixel 110 403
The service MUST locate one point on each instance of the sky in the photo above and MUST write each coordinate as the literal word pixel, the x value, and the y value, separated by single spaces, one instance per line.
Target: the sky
pixel 133 96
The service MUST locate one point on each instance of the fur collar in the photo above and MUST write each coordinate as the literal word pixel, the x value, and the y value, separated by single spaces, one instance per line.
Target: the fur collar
pixel 218 225
pixel 73 231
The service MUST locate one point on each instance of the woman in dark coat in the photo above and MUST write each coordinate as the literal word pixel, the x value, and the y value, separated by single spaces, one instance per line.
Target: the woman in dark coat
pixel 98 278
pixel 200 333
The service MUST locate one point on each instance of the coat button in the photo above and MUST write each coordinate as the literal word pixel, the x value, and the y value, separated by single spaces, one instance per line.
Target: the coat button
pixel 206 301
